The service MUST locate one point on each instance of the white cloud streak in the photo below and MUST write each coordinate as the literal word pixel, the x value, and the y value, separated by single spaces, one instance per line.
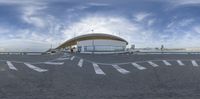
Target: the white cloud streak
pixel 31 16
pixel 133 30
pixel 118 26
pixel 141 16
pixel 185 2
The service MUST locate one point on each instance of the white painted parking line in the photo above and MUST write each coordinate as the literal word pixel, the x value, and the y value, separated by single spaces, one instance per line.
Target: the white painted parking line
pixel 97 69
pixel 64 56
pixel 121 70
pixel 54 63
pixel 152 64
pixel 138 66
pixel 35 68
pixel 194 63
pixel 72 58
pixel 180 62
pixel 11 66
pixel 60 59
pixel 80 63
pixel 166 63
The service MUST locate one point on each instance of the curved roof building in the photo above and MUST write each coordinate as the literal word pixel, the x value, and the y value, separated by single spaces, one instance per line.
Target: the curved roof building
pixel 95 42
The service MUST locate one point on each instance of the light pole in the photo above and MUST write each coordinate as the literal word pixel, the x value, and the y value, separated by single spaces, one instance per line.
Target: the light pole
pixel 93 47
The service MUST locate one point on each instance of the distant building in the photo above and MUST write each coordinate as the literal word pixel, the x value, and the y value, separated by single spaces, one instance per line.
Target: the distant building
pixel 95 43
pixel 193 49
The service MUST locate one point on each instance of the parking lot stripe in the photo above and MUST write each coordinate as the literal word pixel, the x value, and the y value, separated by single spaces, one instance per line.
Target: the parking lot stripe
pixel 138 66
pixel 54 63
pixel 66 54
pixel 60 59
pixel 166 63
pixel 11 66
pixel 180 62
pixel 97 69
pixel 72 58
pixel 152 64
pixel 35 68
pixel 194 63
pixel 121 70
pixel 80 63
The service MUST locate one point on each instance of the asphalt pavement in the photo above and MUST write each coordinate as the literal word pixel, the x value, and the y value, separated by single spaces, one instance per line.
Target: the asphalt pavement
pixel 113 76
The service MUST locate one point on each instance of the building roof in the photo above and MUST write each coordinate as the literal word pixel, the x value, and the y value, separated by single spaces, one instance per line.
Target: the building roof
pixel 92 36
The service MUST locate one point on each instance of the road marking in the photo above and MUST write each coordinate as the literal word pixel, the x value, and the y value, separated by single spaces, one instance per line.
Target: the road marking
pixel 72 58
pixel 10 65
pixel 121 70
pixel 97 69
pixel 80 63
pixel 166 63
pixel 138 66
pixel 152 64
pixel 54 63
pixel 180 62
pixel 62 59
pixel 194 63
pixel 64 56
pixel 35 68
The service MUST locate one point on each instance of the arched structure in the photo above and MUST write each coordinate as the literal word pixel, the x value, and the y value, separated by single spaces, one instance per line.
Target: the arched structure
pixel 95 42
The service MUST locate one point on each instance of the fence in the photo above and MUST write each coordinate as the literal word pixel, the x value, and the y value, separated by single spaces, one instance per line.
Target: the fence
pixel 22 53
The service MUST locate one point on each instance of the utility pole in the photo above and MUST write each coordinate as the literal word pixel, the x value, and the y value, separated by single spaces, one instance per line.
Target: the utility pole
pixel 162 48
pixel 51 46
pixel 119 33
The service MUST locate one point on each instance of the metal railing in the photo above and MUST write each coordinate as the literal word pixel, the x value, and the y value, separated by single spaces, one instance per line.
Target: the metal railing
pixel 165 52
pixel 22 53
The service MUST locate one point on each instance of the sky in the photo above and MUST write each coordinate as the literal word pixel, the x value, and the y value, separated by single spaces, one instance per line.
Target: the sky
pixel 35 25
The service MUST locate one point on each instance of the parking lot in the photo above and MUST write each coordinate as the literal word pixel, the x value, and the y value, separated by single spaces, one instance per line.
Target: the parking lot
pixel 113 76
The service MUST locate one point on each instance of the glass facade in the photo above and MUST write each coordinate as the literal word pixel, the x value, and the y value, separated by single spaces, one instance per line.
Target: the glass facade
pixel 88 48
pixel 102 48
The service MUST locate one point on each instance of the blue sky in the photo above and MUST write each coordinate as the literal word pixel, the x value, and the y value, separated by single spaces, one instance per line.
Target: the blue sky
pixel 33 25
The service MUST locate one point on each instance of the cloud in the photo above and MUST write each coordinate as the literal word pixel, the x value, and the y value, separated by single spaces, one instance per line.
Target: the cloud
pixel 32 16
pixel 141 16
pixel 28 40
pixel 151 22
pixel 186 41
pixel 182 33
pixel 41 28
pixel 98 4
pixel 180 23
pixel 15 1
pixel 22 2
pixel 196 29
pixel 134 33
pixel 23 45
pixel 3 30
pixel 186 2
pixel 186 22
pixel 54 21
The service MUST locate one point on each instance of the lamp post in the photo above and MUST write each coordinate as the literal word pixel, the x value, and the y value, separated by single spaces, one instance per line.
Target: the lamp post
pixel 93 47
